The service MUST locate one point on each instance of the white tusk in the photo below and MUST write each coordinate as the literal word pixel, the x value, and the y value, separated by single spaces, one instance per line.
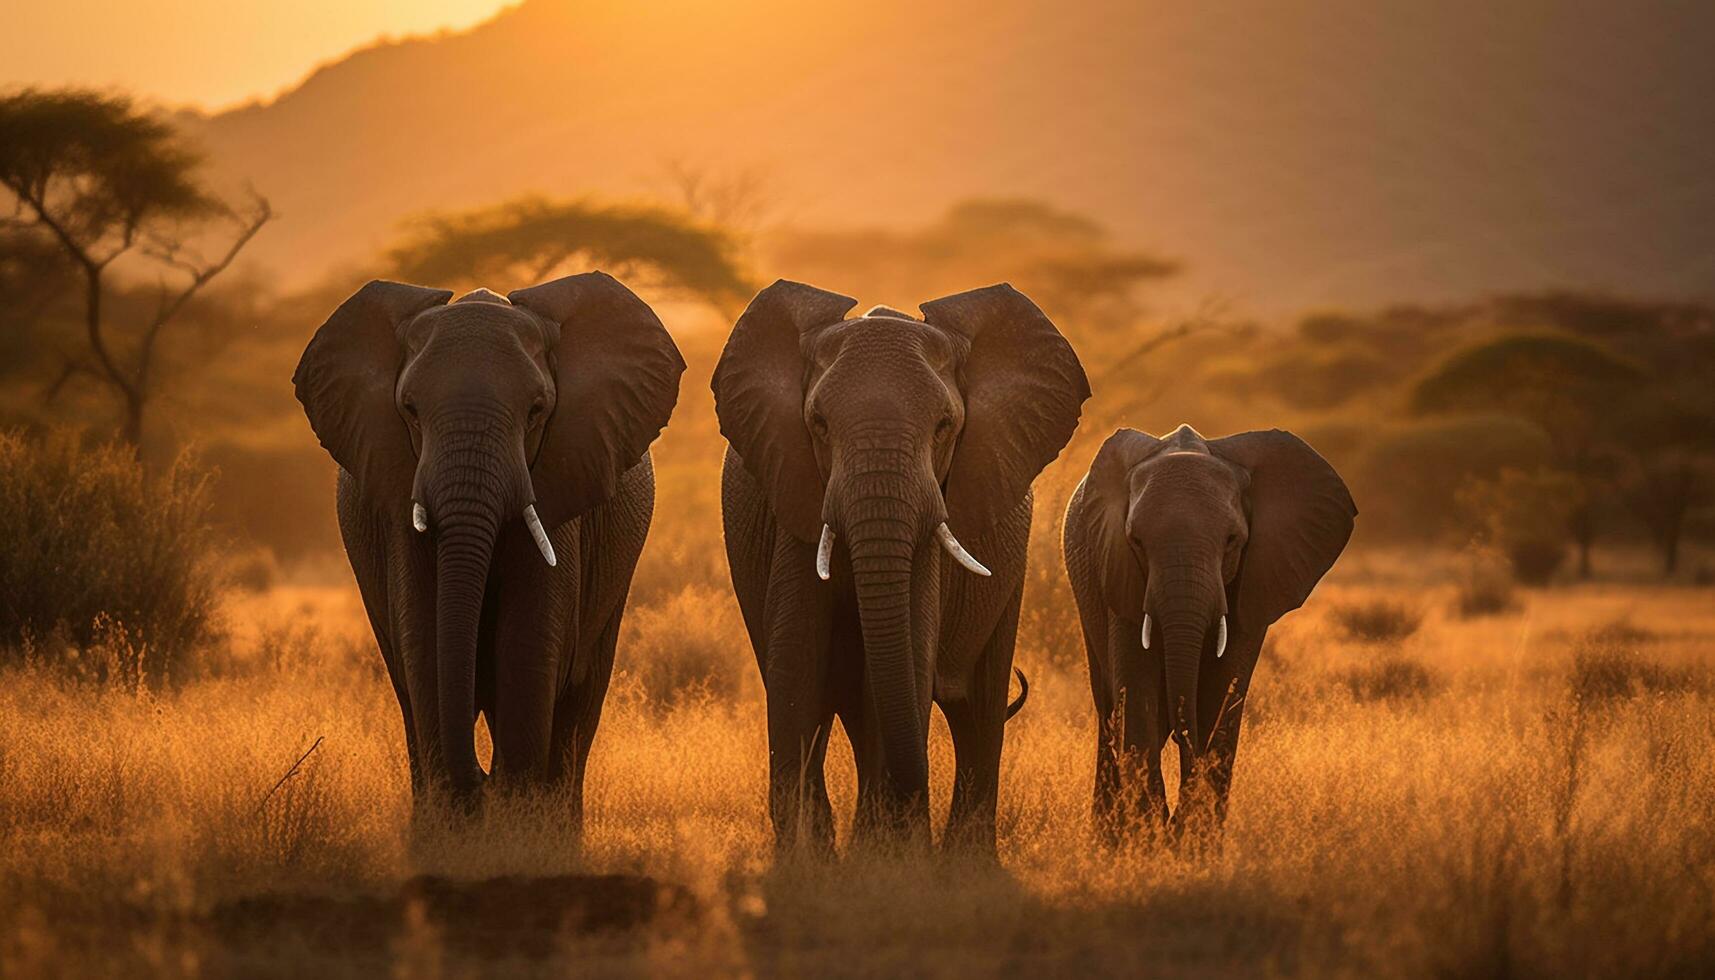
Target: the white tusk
pixel 1146 631
pixel 543 545
pixel 419 517
pixel 958 551
pixel 1221 644
pixel 824 552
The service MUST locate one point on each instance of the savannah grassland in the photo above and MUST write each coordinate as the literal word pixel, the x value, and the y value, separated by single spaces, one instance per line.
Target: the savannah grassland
pixel 202 768
pixel 1527 793
pixel 1418 792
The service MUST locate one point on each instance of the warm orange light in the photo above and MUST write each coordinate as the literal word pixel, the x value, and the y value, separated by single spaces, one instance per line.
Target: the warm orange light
pixel 207 52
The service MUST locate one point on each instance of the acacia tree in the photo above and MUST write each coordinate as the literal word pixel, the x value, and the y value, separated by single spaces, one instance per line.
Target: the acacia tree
pixel 1567 386
pixel 1662 490
pixel 1069 263
pixel 529 238
pixel 101 179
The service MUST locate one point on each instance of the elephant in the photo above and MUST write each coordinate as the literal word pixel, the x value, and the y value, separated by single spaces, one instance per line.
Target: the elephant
pixel 863 454
pixel 1181 552
pixel 494 491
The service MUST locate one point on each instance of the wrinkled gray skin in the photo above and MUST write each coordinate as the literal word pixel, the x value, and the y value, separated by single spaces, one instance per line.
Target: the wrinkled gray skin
pixel 881 428
pixel 476 410
pixel 1188 531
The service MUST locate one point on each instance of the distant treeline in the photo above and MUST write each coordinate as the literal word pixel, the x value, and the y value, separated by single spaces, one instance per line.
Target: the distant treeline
pixel 1543 425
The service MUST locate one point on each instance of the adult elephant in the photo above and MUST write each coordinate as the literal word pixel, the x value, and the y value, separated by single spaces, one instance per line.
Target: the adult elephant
pixel 862 453
pixel 494 493
pixel 1181 552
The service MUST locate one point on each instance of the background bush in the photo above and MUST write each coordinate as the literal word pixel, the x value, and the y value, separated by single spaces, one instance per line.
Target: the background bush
pixel 92 546
pixel 684 647
pixel 1377 619
pixel 1407 477
pixel 1524 514
pixel 1483 584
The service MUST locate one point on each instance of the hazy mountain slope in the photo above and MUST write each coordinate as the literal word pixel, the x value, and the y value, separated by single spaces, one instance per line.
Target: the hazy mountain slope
pixel 1293 153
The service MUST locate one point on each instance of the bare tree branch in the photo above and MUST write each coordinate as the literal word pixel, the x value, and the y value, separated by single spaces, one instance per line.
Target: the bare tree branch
pixel 102 178
pixel 260 215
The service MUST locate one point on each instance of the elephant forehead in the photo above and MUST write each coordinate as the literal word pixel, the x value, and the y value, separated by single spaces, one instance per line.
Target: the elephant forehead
pixel 476 322
pixel 1183 468
pixel 876 339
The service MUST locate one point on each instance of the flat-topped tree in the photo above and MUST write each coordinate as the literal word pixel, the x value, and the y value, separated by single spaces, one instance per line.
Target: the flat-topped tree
pixel 1570 387
pixel 99 179
pixel 531 238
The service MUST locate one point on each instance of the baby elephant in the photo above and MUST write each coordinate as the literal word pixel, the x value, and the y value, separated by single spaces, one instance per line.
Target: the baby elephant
pixel 1181 552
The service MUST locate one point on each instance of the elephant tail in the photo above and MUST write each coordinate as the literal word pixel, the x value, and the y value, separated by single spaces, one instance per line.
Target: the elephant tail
pixel 1023 694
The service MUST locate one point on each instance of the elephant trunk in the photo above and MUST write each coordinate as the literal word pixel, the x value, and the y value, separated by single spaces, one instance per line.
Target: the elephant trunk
pixel 886 517
pixel 882 573
pixel 470 491
pixel 1183 653
pixel 1185 602
pixel 462 558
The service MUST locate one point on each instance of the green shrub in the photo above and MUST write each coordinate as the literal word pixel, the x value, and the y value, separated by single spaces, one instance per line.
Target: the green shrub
pixel 97 555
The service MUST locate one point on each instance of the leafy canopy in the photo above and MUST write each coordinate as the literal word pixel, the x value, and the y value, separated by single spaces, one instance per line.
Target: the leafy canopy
pixel 528 239
pixel 96 168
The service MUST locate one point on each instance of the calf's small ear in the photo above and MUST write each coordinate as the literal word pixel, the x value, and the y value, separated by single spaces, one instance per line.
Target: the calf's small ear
pixel 1301 517
pixel 1108 492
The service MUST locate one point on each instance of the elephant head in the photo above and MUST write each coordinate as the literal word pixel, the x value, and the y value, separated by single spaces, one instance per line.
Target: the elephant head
pixel 457 418
pixel 896 437
pixel 1207 539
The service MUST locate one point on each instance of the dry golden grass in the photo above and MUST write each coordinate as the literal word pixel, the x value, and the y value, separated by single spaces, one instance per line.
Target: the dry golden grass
pixel 1526 812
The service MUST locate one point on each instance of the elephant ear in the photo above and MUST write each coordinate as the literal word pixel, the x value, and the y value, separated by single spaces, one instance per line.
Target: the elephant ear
pixel 1107 492
pixel 616 380
pixel 346 378
pixel 1024 391
pixel 1300 520
pixel 759 398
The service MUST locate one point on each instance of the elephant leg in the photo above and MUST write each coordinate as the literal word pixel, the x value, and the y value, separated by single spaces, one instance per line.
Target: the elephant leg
pixel 1143 791
pixel 1104 803
pixel 800 705
pixel 799 807
pixel 1129 787
pixel 978 725
pixel 1222 701
pixel 1104 800
pixel 798 804
pixel 576 717
pixel 366 548
pixel 533 648
pixel 396 675
pixel 413 753
pixel 861 730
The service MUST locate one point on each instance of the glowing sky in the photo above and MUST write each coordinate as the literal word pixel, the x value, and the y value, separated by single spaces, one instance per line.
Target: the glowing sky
pixel 208 52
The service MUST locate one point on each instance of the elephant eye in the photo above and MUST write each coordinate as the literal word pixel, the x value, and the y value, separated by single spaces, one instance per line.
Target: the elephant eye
pixel 818 423
pixel 944 426
pixel 536 409
pixel 409 406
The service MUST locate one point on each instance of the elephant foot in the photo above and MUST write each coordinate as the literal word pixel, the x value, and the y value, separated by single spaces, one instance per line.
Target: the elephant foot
pixel 1196 829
